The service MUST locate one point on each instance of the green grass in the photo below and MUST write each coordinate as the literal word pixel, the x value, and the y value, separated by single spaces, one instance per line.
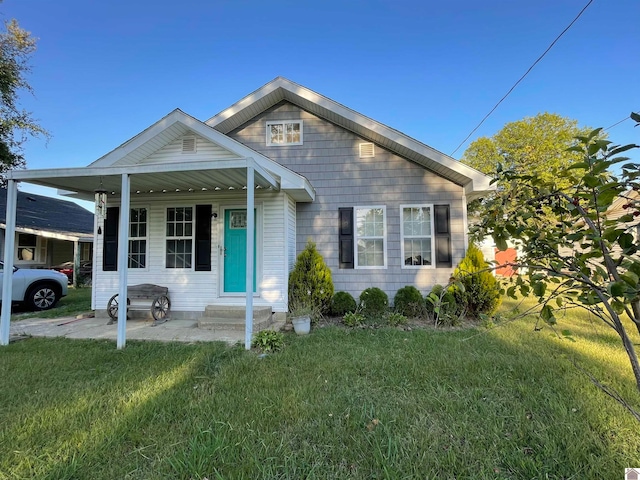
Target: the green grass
pixel 78 300
pixel 506 403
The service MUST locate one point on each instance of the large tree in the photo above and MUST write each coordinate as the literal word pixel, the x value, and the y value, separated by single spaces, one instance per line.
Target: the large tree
pixel 588 256
pixel 16 124
pixel 534 145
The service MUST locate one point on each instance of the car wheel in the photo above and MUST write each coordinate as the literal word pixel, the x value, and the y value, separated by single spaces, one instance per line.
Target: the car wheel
pixel 42 297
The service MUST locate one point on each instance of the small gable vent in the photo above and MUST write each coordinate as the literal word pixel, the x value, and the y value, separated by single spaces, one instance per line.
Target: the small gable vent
pixel 367 150
pixel 189 144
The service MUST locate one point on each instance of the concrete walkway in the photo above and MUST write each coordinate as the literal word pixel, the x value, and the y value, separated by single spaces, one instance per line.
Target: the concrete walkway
pixel 97 328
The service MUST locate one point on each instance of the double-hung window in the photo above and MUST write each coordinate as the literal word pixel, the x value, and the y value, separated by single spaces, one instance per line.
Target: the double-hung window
pixel 371 237
pixel 179 237
pixel 31 248
pixel 138 238
pixel 287 132
pixel 417 235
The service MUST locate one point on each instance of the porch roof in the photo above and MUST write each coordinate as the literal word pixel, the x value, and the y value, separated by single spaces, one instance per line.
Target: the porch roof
pixel 196 176
pixel 219 174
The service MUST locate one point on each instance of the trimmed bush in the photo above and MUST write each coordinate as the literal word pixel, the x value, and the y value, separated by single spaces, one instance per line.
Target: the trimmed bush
pixel 341 303
pixel 408 302
pixel 310 280
pixel 373 302
pixel 481 293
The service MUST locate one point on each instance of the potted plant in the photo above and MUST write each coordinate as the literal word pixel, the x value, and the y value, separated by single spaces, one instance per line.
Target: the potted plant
pixel 300 314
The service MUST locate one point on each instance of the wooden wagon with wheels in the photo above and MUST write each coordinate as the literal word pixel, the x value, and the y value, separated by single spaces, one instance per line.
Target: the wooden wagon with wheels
pixel 159 297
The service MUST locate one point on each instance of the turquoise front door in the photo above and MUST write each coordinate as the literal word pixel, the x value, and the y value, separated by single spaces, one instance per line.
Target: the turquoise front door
pixel 235 251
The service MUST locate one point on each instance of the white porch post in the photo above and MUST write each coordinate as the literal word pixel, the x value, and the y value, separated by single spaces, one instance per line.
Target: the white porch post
pixel 9 244
pixel 123 255
pixel 250 229
pixel 76 262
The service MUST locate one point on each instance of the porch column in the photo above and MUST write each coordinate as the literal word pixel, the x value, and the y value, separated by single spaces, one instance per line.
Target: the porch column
pixel 9 244
pixel 465 221
pixel 250 228
pixel 76 263
pixel 123 256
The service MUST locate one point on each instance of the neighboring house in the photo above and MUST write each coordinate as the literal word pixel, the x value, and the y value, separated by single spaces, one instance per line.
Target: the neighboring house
pixel 384 209
pixel 49 232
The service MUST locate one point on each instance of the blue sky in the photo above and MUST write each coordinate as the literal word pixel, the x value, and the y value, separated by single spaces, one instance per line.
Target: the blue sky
pixel 104 71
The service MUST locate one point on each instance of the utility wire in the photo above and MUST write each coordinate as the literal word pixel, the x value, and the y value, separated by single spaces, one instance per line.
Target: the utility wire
pixel 618 123
pixel 522 77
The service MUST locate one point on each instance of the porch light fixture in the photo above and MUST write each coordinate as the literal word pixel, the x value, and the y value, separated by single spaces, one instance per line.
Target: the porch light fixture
pixel 217 189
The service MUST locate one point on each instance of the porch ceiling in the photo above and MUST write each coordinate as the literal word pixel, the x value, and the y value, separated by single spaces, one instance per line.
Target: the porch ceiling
pixel 183 177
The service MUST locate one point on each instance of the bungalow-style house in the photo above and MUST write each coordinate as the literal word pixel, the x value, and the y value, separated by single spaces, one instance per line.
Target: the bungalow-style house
pixel 49 232
pixel 288 165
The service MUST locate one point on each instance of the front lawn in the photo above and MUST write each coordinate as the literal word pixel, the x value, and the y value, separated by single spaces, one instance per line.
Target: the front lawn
pixel 505 403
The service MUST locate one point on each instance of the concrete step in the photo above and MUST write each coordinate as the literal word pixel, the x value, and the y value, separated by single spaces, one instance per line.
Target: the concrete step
pixel 234 324
pixel 222 311
pixel 221 318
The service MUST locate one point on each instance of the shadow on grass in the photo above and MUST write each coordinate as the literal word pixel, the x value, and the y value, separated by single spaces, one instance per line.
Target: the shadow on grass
pixel 335 404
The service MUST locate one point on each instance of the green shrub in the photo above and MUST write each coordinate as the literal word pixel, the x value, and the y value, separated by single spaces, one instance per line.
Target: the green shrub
pixel 441 304
pixel 353 319
pixel 341 303
pixel 310 280
pixel 481 291
pixel 268 341
pixel 373 302
pixel 396 319
pixel 408 302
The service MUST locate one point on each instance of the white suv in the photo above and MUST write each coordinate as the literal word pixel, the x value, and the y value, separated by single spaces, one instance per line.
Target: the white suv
pixel 36 289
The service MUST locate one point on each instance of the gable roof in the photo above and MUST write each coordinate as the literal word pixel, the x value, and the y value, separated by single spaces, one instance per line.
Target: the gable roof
pixel 38 212
pixel 281 89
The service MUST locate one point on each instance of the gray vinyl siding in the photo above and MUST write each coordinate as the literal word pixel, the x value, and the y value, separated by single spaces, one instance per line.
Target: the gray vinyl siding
pixel 329 158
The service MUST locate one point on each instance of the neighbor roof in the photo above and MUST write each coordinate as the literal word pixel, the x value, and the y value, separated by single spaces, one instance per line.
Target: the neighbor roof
pixel 42 213
pixel 281 89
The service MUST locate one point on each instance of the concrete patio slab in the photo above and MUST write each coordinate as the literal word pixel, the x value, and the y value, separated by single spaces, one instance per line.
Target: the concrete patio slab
pixel 97 328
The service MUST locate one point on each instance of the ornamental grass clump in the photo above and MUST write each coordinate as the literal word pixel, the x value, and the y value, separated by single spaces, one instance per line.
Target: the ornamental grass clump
pixel 310 280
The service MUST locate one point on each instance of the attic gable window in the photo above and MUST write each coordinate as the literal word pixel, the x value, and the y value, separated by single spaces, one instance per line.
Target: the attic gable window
pixel 286 132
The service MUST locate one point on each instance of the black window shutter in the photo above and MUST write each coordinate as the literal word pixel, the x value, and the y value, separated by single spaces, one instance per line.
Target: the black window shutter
pixel 110 244
pixel 443 235
pixel 203 238
pixel 346 237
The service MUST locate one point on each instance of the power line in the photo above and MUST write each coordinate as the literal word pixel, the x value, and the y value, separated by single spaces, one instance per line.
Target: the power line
pixel 618 123
pixel 522 77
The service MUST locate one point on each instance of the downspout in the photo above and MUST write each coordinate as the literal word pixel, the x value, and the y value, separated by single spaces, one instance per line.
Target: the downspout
pixel 9 245
pixel 248 330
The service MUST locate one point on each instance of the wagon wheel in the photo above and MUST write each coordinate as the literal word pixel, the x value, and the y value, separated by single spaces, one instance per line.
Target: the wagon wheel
pixel 112 308
pixel 160 308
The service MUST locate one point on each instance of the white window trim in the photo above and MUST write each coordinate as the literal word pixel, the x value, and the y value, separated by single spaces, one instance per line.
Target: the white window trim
pixel 192 237
pixel 402 238
pixel 41 250
pixel 146 238
pixel 356 237
pixel 282 122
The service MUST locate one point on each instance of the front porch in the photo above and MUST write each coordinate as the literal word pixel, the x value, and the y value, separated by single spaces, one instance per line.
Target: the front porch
pixel 176 330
